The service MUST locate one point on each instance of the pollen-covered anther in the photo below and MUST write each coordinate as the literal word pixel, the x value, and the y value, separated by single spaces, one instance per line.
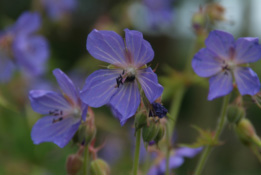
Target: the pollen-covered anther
pixel 56 112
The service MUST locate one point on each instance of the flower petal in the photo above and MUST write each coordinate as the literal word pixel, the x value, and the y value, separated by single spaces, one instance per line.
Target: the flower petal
pixel 140 50
pixel 206 63
pixel 220 43
pixel 126 101
pixel 220 85
pixel 99 87
pixel 31 53
pixel 247 81
pixel 45 101
pixel 107 46
pixel 27 23
pixel 149 83
pixel 67 86
pixel 7 68
pixel 188 152
pixel 247 50
pixel 60 132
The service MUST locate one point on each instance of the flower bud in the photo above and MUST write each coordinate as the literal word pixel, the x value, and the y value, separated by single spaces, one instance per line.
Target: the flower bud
pixel 246 132
pixel 215 12
pixel 149 132
pixel 160 134
pixel 99 167
pixel 86 133
pixel 74 164
pixel 140 121
pixel 198 21
pixel 235 113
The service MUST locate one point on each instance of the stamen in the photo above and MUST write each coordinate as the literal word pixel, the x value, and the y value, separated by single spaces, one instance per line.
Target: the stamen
pixel 56 112
pixel 57 120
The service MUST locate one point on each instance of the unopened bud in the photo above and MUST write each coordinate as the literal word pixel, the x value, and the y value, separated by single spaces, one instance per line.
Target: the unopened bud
pixel 74 164
pixel 160 134
pixel 99 167
pixel 86 133
pixel 215 12
pixel 199 21
pixel 235 113
pixel 150 131
pixel 247 133
pixel 140 121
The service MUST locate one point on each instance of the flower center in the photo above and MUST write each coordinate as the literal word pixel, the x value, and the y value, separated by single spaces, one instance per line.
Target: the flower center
pixel 75 112
pixel 228 65
pixel 127 75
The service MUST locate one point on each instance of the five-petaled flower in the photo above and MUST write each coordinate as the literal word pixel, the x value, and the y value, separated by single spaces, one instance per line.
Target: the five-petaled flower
pixel 65 112
pixel 118 86
pixel 21 47
pixel 225 60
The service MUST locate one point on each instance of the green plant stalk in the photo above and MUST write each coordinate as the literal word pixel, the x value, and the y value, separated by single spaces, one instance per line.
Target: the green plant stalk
pixel 167 151
pixel 137 153
pixel 220 127
pixel 86 160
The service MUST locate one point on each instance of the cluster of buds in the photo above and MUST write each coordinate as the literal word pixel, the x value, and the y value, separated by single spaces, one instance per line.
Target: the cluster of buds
pixel 244 129
pixel 151 121
pixel 209 14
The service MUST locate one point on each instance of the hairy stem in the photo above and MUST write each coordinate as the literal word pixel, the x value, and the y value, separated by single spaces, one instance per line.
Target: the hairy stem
pixel 86 161
pixel 220 127
pixel 137 153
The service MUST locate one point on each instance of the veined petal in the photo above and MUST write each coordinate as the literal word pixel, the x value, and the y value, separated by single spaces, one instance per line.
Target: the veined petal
pixel 247 81
pixel 140 50
pixel 60 132
pixel 67 86
pixel 188 152
pixel 7 68
pixel 45 101
pixel 247 50
pixel 99 87
pixel 27 23
pixel 107 46
pixel 220 85
pixel 206 63
pixel 126 101
pixel 220 43
pixel 149 83
pixel 31 53
pixel 174 162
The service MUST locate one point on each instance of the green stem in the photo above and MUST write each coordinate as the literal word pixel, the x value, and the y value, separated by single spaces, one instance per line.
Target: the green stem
pixel 174 110
pixel 86 161
pixel 167 150
pixel 137 153
pixel 219 129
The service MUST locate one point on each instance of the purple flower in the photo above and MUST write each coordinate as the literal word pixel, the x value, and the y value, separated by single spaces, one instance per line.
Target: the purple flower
pixel 64 112
pixel 152 15
pixel 57 9
pixel 175 161
pixel 225 60
pixel 19 47
pixel 118 85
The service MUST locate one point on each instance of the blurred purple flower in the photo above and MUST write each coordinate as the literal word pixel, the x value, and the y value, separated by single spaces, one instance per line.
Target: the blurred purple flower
pixel 152 15
pixel 158 110
pixel 57 9
pixel 20 47
pixel 118 85
pixel 175 161
pixel 225 60
pixel 65 112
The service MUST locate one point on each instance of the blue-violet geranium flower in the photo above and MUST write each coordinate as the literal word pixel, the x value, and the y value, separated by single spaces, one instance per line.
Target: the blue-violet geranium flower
pixel 118 86
pixel 65 112
pixel 225 60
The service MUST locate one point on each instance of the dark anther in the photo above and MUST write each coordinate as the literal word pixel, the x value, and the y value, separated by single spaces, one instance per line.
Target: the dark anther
pixel 130 79
pixel 57 120
pixel 158 110
pixel 56 112
pixel 119 81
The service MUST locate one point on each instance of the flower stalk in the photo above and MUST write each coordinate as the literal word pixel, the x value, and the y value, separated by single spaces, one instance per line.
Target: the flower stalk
pixel 137 153
pixel 219 129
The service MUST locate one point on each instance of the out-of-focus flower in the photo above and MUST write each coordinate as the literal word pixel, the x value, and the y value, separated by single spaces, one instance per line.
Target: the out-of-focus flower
pixel 152 15
pixel 158 110
pixel 175 161
pixel 20 47
pixel 118 85
pixel 225 60
pixel 65 112
pixel 57 9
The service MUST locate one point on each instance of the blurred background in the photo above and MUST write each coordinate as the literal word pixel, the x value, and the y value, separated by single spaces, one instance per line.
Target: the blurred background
pixel 175 38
